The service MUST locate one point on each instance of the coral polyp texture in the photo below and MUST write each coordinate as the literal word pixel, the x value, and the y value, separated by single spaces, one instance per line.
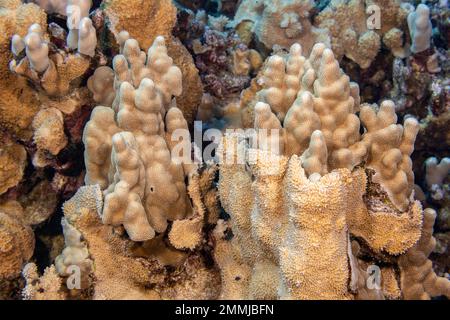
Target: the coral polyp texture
pixel 293 213
pixel 129 146
pixel 207 150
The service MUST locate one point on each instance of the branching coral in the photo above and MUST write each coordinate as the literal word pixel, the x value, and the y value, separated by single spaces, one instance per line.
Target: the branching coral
pixel 49 77
pixel 82 34
pixel 307 199
pixel 74 254
pixel 54 74
pixel 158 18
pixel 126 270
pixel 420 28
pixel 418 279
pixel 46 287
pixel 52 6
pixel 18 103
pixel 312 197
pixel 313 94
pixel 128 148
pixel 436 173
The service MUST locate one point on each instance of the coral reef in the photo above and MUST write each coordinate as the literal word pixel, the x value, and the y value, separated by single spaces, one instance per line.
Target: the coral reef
pixel 224 149
pixel 225 64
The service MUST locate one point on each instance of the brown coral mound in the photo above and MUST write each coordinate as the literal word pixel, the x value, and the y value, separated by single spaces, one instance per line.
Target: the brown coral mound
pixel 16 245
pixel 13 159
pixel 191 97
pixel 144 20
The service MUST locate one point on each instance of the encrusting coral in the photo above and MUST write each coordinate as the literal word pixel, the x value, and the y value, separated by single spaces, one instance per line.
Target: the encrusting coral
pixel 16 244
pixel 436 173
pixel 13 160
pixel 312 193
pixel 280 22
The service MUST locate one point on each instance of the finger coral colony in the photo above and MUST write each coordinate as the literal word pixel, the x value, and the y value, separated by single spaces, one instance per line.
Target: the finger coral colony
pixel 326 125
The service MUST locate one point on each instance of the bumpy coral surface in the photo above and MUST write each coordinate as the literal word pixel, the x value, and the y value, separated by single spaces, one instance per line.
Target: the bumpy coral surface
pixel 128 147
pixel 17 102
pixel 280 22
pixel 224 149
pixel 16 244
pixel 285 203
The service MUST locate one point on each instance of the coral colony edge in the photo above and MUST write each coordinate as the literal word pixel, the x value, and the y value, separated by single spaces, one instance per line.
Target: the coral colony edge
pixel 234 149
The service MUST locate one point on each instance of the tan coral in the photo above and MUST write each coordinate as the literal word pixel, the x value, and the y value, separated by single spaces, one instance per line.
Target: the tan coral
pixel 61 73
pixel 347 22
pixel 16 245
pixel 174 57
pixel 18 103
pixel 191 97
pixel 135 160
pixel 309 94
pixel 48 125
pixel 121 273
pixel 293 212
pixel 74 254
pixel 260 240
pixel 101 84
pixel 144 20
pixel 280 23
pixel 389 149
pixel 13 160
pixel 418 280
pixel 45 287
